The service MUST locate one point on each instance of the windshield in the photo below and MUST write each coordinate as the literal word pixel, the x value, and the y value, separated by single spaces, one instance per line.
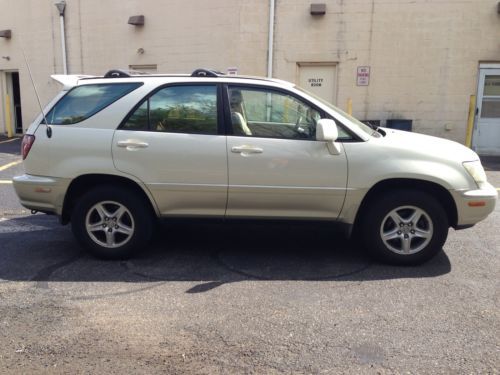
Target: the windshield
pixel 363 127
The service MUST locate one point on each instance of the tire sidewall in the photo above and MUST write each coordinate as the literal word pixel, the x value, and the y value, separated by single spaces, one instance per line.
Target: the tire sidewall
pixel 376 213
pixel 143 223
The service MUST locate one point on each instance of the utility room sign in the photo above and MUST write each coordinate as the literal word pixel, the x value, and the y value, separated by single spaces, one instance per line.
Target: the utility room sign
pixel 315 82
pixel 363 76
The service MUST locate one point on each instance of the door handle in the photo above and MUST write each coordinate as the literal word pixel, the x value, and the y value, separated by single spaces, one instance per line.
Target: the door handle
pixel 247 150
pixel 132 145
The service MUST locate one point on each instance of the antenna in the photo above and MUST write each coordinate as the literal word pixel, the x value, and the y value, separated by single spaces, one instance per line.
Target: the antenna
pixel 48 129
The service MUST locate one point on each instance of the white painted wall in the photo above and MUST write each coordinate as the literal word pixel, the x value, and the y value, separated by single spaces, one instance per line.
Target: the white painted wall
pixel 424 55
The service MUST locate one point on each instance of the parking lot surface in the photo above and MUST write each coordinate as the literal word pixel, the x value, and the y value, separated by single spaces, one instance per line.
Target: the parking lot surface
pixel 242 297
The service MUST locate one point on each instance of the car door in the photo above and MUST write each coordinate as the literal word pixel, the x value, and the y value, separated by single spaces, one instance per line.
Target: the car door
pixel 172 141
pixel 276 166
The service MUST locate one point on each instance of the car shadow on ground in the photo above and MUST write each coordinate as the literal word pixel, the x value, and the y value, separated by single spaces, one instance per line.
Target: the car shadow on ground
pixel 36 248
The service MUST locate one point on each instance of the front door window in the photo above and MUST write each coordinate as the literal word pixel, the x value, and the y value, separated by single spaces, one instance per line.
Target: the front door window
pixel 271 114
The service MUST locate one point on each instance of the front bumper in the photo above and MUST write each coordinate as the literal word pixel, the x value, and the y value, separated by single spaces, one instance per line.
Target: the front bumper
pixel 474 205
pixel 45 194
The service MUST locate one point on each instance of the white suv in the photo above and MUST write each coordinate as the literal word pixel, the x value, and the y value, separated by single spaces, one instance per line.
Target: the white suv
pixel 113 153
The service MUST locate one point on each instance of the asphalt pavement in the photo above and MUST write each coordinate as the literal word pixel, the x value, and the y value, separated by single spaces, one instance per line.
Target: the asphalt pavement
pixel 10 165
pixel 242 297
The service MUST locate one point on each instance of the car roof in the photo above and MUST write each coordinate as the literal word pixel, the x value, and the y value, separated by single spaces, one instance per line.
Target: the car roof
pixel 199 75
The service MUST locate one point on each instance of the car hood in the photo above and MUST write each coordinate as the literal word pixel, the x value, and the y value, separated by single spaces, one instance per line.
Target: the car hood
pixel 427 145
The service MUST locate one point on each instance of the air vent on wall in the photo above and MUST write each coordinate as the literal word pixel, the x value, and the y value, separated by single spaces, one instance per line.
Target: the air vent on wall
pixel 6 34
pixel 318 9
pixel 136 20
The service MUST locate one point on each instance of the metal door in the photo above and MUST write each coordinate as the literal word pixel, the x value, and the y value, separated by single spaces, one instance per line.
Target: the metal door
pixel 319 79
pixel 486 138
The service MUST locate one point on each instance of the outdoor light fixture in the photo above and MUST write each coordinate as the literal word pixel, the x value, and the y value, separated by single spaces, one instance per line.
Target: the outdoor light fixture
pixel 61 5
pixel 7 34
pixel 136 20
pixel 318 9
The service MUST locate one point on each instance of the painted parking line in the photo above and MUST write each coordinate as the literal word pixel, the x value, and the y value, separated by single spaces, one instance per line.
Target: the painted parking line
pixel 9 140
pixel 6 166
pixel 5 182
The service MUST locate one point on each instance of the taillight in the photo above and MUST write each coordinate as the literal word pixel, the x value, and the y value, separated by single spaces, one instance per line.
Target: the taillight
pixel 26 144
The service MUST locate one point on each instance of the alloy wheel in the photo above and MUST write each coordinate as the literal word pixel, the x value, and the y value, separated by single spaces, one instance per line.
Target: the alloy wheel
pixel 109 224
pixel 406 230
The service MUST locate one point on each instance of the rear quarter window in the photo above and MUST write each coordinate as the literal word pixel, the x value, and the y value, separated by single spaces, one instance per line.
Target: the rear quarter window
pixel 84 101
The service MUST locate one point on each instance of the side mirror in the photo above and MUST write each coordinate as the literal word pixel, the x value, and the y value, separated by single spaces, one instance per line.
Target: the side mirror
pixel 326 130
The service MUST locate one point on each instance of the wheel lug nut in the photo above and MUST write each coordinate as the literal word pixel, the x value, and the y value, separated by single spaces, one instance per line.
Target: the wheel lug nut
pixel 412 232
pixel 104 225
pixel 399 232
pixel 110 230
pixel 116 226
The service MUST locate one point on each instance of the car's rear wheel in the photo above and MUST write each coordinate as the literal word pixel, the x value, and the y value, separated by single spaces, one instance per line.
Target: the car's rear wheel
pixel 112 223
pixel 404 227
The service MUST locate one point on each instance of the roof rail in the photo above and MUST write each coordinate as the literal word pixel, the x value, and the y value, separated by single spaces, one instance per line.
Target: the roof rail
pixel 116 73
pixel 206 73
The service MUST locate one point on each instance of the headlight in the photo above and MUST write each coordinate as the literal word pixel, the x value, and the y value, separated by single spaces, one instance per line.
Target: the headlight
pixel 476 170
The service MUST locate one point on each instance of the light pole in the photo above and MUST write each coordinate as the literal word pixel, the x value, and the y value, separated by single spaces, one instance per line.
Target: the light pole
pixel 61 6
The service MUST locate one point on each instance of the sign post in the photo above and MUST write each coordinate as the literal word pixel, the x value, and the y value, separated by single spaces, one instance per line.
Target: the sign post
pixel 8 117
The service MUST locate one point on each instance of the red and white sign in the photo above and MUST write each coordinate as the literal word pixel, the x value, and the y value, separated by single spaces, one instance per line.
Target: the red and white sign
pixel 363 76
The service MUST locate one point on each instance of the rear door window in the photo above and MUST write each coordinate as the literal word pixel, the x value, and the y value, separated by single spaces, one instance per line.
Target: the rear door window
pixel 84 101
pixel 177 109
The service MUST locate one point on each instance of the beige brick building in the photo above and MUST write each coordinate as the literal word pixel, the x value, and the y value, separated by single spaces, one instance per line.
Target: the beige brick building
pixel 395 59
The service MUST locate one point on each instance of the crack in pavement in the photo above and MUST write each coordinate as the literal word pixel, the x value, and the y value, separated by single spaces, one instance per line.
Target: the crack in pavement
pixel 42 276
pixel 118 294
pixel 217 258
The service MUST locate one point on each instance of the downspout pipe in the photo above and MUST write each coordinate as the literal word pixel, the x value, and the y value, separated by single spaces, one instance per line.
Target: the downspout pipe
pixel 61 6
pixel 270 42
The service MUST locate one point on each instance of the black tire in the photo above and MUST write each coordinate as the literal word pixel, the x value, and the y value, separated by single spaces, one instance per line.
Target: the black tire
pixel 136 222
pixel 415 242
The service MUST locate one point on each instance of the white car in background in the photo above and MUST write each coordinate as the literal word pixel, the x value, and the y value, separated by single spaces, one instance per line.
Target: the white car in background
pixel 114 153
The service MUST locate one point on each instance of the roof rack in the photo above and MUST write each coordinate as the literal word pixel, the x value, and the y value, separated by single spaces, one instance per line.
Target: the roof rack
pixel 117 73
pixel 206 73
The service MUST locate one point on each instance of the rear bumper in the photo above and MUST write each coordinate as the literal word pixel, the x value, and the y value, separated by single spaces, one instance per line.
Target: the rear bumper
pixel 474 205
pixel 45 194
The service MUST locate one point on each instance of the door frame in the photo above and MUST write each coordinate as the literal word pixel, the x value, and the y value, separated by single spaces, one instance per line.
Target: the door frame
pixel 482 70
pixel 334 64
pixel 7 88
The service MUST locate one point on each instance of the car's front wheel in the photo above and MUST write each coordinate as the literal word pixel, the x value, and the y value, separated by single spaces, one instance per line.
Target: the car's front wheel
pixel 405 227
pixel 111 223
